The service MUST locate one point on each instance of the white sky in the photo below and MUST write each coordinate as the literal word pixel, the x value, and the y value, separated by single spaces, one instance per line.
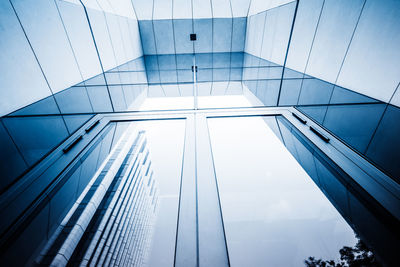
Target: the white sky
pixel 166 103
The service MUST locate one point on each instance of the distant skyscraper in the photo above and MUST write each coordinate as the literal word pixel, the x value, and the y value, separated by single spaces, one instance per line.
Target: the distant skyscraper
pixel 111 222
pixel 195 133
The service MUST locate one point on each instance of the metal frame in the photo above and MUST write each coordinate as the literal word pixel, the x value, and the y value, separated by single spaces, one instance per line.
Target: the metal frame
pixel 199 206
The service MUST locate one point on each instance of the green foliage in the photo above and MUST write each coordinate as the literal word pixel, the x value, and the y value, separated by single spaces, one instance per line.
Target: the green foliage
pixel 358 256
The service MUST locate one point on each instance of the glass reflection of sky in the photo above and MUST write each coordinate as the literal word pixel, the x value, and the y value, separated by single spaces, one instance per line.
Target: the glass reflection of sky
pixel 165 142
pixel 274 214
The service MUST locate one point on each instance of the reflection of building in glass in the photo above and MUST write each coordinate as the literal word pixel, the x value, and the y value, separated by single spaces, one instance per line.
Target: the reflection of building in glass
pixel 308 157
pixel 111 222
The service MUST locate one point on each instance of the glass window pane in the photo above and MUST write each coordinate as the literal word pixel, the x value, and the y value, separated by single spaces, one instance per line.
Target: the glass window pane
pixel 274 214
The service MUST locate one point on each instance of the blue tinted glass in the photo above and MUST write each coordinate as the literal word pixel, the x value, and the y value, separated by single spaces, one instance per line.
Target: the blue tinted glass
pixel 317 113
pixel 186 75
pixel 290 91
pixel 44 106
pixel 384 148
pixel 221 60
pixel 236 74
pixel 182 30
pixel 253 148
pixel 267 91
pixel 355 124
pixel 269 73
pixel 237 60
pixel 11 162
pixel 74 122
pixel 147 37
pixel 289 73
pixel 315 91
pixel 153 76
pixel 238 34
pixel 63 199
pixel 184 61
pixel 341 95
pixel 222 35
pixel 163 32
pixel 100 99
pixel 350 201
pixel 204 60
pixel 203 29
pixel 252 86
pixel 220 74
pixel 250 60
pixel 113 78
pixel 167 62
pixel 168 76
pixel 117 97
pixel 133 65
pixel 74 100
pixel 36 136
pixel 96 80
pixel 250 73
pixel 204 75
pixel 151 62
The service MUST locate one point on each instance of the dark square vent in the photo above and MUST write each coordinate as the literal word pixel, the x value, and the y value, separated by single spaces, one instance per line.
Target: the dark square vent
pixel 193 37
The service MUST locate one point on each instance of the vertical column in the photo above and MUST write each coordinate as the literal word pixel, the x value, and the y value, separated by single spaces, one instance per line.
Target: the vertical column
pixel 194 70
pixel 212 243
pixel 186 250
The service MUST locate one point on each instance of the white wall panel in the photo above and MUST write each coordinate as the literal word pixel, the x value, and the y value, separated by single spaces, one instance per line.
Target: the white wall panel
pixel 281 36
pixel 21 81
pixel 102 38
pixel 303 32
pixel 182 9
pixel 396 98
pixel 162 9
pixel 143 9
pixel 43 26
pixel 372 65
pixel 337 23
pixel 116 38
pixel 105 6
pixel 136 38
pixel 93 4
pixel 221 8
pixel 258 6
pixel 77 27
pixel 123 8
pixel 202 9
pixel 271 18
pixel 248 45
pixel 240 8
pixel 254 35
pixel 126 37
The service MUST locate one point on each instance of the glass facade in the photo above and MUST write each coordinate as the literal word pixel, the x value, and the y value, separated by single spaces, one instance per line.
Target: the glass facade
pixel 188 133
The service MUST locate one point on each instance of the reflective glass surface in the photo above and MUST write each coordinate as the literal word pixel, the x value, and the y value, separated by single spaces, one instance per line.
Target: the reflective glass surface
pixel 163 142
pixel 282 201
pixel 154 216
pixel 26 140
pixel 370 129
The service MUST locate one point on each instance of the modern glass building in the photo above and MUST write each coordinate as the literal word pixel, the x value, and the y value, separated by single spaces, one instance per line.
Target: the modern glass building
pixel 199 133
